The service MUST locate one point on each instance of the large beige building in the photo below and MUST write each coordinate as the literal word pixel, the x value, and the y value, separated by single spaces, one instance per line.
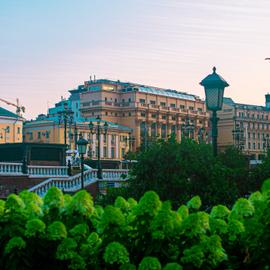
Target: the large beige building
pixel 150 112
pixel 11 127
pixel 245 126
pixel 113 145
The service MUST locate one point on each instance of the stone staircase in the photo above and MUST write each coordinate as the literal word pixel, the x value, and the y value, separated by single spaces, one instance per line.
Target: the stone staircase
pixel 40 178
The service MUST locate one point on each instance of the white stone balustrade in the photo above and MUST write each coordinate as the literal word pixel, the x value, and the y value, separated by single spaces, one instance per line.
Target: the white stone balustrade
pixel 8 168
pixel 47 171
pixel 73 183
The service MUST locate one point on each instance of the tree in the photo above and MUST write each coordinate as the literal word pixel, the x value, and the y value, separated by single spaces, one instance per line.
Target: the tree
pixel 178 171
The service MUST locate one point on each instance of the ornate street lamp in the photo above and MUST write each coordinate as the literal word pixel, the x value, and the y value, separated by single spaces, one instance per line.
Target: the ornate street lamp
pixel 214 86
pixel 82 145
pixel 98 129
pixel 65 116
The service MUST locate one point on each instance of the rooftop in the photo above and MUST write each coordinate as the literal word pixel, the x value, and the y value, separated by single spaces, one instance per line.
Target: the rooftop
pixel 230 102
pixel 6 113
pixel 132 87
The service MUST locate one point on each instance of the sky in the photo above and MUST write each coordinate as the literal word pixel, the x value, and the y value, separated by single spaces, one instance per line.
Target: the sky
pixel 50 46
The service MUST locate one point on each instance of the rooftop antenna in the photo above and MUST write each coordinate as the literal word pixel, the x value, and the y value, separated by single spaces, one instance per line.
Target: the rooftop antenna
pixel 90 78
pixel 94 78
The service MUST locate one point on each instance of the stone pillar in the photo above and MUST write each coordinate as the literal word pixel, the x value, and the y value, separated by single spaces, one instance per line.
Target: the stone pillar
pixel 101 145
pixel 94 143
pixel 109 144
pixel 117 146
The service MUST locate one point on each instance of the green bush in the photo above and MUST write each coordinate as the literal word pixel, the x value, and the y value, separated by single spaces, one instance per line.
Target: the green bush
pixel 70 232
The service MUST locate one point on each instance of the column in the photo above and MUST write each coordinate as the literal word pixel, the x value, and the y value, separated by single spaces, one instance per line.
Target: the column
pixel 109 144
pixel 117 146
pixel 101 146
pixel 94 143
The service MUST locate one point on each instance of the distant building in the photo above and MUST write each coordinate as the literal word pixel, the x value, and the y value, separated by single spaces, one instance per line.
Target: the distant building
pixel 113 146
pixel 11 127
pixel 150 112
pixel 245 126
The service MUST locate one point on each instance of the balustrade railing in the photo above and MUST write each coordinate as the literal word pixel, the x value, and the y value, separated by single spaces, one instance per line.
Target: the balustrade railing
pixel 8 168
pixel 46 171
pixel 73 183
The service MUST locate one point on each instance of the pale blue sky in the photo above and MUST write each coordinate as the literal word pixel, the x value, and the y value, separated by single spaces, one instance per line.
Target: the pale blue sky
pixel 50 46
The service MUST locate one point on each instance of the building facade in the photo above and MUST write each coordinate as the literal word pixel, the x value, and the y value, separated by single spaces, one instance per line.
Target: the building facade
pixel 245 126
pixel 113 145
pixel 150 112
pixel 11 127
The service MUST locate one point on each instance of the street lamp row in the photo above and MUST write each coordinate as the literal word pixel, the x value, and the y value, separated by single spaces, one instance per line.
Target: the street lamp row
pixel 82 146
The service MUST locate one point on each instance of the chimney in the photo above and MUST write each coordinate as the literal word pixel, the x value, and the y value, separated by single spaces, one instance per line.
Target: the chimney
pixel 267 101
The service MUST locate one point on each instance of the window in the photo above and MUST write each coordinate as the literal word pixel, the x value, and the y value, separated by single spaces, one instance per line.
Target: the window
pixel 115 100
pixel 18 130
pixel 105 98
pixel 191 108
pixel 7 129
pixel 253 135
pixel 113 139
pixel 142 101
pixel 259 146
pixel 254 145
pixel 30 136
pixel 162 104
pixel 172 105
pixel 129 100
pixel 258 135
pixel 142 114
pixel 123 114
pixel 182 107
pixel 123 100
pixel 152 102
pixel 199 109
pixel 115 114
pixel 47 134
pixel 106 113
pixel 164 117
pixel 154 115
pixel 173 117
pixel 39 135
pixel 105 151
pixel 112 152
pixel 129 114
pixel 104 138
pixel 123 152
pixel 249 146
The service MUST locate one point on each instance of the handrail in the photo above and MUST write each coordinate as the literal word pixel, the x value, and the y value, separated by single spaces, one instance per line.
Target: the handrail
pixel 73 183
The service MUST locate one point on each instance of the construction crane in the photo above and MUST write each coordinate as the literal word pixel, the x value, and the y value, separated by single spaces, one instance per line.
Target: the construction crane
pixel 19 109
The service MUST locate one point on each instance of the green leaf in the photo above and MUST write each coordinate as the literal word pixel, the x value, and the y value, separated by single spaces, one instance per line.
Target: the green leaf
pixel 66 249
pixel 15 243
pixel 172 266
pixel 195 203
pixel 56 231
pixel 34 227
pixel 82 204
pixel 116 253
pixel 220 211
pixel 149 263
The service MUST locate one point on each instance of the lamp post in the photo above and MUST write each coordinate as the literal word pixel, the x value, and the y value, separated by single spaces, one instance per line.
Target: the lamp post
pixel 98 129
pixel 65 116
pixel 82 145
pixel 214 86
